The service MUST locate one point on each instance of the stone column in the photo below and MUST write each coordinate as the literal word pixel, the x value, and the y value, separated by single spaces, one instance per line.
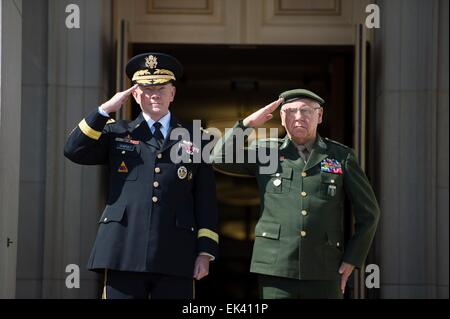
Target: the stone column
pixel 442 158
pixel 33 149
pixel 74 197
pixel 411 147
pixel 10 110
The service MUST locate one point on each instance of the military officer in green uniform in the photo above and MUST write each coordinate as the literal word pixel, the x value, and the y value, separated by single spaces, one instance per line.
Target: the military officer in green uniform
pixel 299 249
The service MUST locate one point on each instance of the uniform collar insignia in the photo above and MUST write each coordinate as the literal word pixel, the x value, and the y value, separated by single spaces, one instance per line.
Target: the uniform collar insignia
pixel 137 122
pixel 285 142
pixel 320 143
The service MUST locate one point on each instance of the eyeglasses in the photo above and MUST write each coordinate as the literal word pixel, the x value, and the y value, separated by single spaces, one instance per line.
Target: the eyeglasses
pixel 304 111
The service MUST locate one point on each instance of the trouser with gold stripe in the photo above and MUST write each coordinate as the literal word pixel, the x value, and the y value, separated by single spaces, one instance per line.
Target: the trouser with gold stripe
pixel 272 287
pixel 144 285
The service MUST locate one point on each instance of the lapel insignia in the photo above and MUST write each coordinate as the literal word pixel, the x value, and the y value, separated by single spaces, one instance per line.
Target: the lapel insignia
pixel 123 168
pixel 182 172
pixel 189 176
pixel 189 147
pixel 331 166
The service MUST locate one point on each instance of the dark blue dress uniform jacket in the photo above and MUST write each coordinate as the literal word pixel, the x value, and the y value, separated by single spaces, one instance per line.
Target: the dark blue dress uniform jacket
pixel 159 215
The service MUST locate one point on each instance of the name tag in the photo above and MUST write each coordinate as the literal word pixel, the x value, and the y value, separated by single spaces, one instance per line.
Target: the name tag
pixel 125 147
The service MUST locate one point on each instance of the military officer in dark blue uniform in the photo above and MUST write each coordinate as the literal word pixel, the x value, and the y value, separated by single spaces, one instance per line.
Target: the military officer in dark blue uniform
pixel 158 230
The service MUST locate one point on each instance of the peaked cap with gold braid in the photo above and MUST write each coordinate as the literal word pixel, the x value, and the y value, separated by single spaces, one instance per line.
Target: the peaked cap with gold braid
pixel 153 69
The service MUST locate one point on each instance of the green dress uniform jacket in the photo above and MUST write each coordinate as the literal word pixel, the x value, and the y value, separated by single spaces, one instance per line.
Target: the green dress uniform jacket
pixel 159 215
pixel 300 232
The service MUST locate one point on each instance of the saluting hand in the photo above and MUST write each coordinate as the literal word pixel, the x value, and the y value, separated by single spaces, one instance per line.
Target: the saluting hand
pixel 115 103
pixel 345 270
pixel 263 115
pixel 201 267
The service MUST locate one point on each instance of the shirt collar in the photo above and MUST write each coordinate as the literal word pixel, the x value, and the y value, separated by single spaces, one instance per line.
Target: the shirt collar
pixel 165 123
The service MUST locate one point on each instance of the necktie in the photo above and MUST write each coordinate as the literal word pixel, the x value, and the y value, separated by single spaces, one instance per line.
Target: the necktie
pixel 157 135
pixel 303 152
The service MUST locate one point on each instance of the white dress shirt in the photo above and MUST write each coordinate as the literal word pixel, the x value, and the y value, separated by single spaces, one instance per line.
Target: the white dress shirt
pixel 165 121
